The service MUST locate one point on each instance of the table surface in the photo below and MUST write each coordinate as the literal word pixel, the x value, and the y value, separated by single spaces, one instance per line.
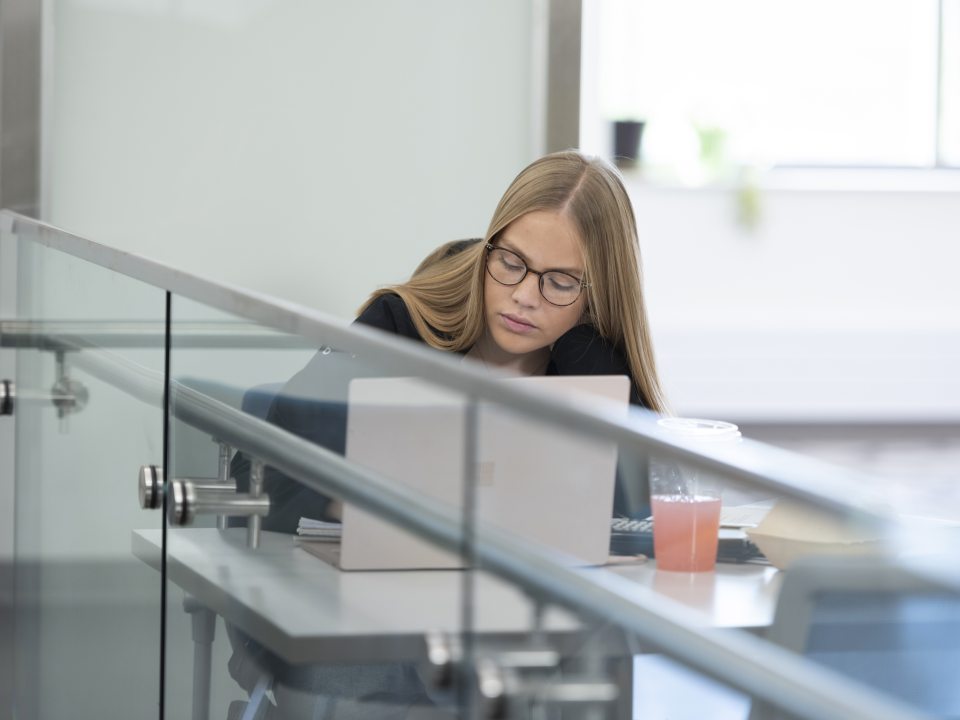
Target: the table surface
pixel 306 610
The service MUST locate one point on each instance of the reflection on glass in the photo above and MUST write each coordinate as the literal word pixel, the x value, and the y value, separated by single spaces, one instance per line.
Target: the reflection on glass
pixel 518 602
pixel 325 642
pixel 81 436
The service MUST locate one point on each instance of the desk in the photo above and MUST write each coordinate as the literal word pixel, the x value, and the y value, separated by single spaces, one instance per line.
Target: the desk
pixel 305 610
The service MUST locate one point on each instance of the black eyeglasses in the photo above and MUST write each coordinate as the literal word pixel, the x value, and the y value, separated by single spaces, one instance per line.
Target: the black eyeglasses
pixel 557 287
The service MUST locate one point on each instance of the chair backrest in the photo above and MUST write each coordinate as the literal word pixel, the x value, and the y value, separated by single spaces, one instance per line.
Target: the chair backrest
pixel 321 422
pixel 877 622
pixel 258 399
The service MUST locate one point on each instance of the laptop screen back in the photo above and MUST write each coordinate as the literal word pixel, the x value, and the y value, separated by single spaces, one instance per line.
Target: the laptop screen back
pixel 543 484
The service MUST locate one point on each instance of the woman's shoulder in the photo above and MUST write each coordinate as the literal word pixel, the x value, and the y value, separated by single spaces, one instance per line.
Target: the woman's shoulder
pixel 389 312
pixel 582 350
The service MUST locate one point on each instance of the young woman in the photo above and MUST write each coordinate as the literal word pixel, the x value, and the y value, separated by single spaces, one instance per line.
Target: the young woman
pixel 554 288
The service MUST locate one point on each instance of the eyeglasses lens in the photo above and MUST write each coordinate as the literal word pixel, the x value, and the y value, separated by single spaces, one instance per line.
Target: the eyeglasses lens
pixel 508 268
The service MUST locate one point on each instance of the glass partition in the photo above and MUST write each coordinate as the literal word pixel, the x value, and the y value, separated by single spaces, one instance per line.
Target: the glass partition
pixel 820 562
pixel 305 615
pixel 357 526
pixel 556 542
pixel 87 638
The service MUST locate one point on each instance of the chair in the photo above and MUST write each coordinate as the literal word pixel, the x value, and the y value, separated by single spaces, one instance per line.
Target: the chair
pixel 874 621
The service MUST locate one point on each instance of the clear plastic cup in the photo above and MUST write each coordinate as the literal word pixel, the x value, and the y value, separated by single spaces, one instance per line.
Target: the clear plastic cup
pixel 686 500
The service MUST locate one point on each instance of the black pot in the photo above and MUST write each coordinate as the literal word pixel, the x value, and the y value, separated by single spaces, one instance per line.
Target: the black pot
pixel 627 139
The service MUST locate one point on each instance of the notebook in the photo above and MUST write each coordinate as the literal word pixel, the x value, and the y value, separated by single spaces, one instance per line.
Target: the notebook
pixel 541 483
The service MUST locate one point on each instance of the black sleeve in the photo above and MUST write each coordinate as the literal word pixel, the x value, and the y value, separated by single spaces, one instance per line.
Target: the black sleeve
pixel 311 405
pixel 388 312
pixel 584 351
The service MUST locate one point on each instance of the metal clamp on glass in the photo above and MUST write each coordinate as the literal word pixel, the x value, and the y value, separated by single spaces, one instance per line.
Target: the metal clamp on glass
pixel 443 654
pixel 187 499
pixel 224 479
pixel 68 395
pixel 7 397
pixel 509 679
pixel 150 486
pixel 524 678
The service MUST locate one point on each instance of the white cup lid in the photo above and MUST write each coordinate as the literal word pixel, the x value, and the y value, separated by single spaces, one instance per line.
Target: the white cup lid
pixel 700 429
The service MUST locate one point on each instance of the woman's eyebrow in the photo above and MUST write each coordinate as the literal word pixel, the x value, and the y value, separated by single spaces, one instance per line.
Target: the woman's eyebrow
pixel 507 245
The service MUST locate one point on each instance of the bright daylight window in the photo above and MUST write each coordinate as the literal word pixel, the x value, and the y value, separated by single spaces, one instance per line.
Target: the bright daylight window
pixel 731 83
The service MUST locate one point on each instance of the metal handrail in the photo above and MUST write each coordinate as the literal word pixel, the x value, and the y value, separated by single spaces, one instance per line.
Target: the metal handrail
pixel 77 334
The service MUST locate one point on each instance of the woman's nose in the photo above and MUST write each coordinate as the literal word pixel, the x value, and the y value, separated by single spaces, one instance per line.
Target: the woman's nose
pixel 527 291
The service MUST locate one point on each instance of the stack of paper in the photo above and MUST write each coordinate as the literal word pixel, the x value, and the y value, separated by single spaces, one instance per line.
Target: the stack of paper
pixel 319 530
pixel 792 529
pixel 744 516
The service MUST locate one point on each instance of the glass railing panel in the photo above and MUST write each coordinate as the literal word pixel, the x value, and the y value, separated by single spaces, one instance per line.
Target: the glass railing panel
pixel 87 613
pixel 845 593
pixel 525 630
pixel 728 542
pixel 254 616
pixel 331 629
pixel 232 362
pixel 545 494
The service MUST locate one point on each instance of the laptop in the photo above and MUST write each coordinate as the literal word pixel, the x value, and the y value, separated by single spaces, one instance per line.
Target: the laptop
pixel 545 485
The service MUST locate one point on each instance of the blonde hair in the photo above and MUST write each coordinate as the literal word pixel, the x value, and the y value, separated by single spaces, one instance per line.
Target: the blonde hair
pixel 445 295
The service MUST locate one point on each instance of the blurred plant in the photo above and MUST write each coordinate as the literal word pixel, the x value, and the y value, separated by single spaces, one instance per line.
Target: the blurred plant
pixel 713 151
pixel 748 198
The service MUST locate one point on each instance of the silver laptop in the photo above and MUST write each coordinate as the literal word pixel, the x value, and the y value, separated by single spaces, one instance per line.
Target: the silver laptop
pixel 543 484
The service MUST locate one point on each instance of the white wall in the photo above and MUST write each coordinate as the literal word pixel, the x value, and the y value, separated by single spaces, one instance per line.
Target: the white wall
pixel 840 305
pixel 312 150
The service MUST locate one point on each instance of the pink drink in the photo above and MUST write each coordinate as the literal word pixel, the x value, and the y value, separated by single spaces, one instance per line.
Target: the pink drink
pixel 685 532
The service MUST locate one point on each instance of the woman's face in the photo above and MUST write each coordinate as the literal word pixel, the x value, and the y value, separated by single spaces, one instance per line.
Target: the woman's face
pixel 521 324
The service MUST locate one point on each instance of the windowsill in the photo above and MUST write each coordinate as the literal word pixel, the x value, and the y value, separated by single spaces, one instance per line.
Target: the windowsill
pixel 861 180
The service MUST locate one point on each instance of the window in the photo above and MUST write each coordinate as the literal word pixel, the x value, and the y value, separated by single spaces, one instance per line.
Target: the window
pixel 728 83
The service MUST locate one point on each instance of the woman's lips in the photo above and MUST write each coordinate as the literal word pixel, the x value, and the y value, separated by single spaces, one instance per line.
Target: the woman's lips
pixel 516 324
